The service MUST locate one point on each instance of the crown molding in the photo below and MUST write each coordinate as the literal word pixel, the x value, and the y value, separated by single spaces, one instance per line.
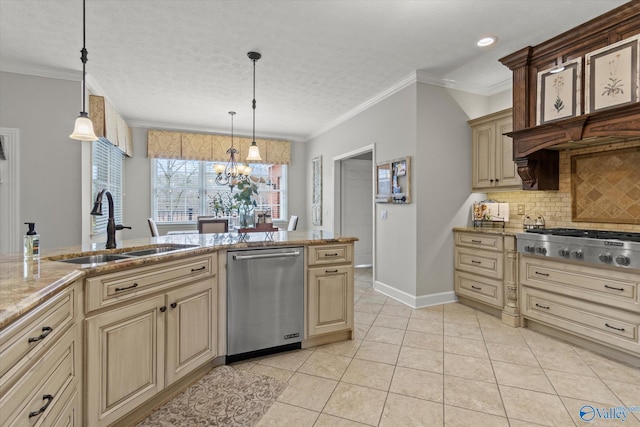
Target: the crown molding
pixel 408 80
pixel 41 71
pixel 424 77
pixel 419 77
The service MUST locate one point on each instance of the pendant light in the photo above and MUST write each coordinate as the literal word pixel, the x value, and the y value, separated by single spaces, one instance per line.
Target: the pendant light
pixel 254 152
pixel 83 129
pixel 232 173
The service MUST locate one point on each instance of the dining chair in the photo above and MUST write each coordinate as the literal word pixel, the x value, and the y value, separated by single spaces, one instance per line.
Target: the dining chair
pixel 212 225
pixel 293 223
pixel 153 227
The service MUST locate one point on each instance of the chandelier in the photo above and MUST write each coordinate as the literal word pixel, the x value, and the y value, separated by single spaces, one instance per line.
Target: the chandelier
pixel 232 173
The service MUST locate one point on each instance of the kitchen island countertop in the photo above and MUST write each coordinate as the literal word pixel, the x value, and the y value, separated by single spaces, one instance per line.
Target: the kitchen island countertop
pixel 24 284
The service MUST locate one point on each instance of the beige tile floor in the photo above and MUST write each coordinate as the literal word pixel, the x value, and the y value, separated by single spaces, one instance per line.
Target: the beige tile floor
pixel 447 365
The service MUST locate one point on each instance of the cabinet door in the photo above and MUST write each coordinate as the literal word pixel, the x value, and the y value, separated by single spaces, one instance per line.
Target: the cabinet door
pixel 330 300
pixel 506 168
pixel 191 328
pixel 125 359
pixel 483 148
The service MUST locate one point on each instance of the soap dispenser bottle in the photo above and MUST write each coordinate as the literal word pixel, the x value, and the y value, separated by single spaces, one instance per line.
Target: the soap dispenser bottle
pixel 31 241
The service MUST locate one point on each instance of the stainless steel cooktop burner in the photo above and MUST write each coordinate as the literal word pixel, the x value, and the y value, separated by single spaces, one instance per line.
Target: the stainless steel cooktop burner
pixel 599 247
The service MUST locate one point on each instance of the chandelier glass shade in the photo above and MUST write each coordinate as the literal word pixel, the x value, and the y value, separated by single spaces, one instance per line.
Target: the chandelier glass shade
pixel 232 173
pixel 83 129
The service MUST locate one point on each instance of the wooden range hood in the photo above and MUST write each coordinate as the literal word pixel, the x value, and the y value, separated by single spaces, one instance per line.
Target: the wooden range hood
pixel 535 148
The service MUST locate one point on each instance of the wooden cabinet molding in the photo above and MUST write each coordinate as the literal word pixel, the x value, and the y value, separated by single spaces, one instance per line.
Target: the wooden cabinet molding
pixel 528 139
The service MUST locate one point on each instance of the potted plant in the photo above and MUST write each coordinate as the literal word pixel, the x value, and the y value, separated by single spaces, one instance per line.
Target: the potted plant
pixel 246 203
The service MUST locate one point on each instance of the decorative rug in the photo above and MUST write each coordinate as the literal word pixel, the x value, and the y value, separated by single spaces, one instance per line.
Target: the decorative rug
pixel 224 397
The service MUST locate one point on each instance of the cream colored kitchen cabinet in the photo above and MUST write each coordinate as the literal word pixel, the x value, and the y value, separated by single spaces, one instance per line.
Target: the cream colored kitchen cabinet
pixel 601 306
pixel 142 345
pixel 41 361
pixel 329 289
pixel 492 153
pixel 485 273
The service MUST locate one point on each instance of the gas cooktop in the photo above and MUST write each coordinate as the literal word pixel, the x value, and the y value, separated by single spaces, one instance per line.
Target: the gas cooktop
pixel 589 234
pixel 598 247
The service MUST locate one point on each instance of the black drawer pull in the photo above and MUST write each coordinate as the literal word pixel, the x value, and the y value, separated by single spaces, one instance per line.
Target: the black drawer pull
pixel 542 274
pixel 543 306
pixel 613 327
pixel 193 270
pixel 135 285
pixel 46 397
pixel 476 287
pixel 476 241
pixel 163 308
pixel 46 330
pixel 330 255
pixel 331 271
pixel 476 262
pixel 615 289
pixel 174 304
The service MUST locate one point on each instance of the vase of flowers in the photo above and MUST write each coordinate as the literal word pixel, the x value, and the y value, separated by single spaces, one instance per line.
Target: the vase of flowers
pixel 246 203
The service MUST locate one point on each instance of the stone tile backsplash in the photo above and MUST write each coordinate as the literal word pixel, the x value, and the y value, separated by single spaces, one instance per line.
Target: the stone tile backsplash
pixel 555 206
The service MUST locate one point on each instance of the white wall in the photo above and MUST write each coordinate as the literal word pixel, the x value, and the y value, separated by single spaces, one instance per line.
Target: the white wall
pixel 391 126
pixel 45 110
pixel 414 246
pixel 443 172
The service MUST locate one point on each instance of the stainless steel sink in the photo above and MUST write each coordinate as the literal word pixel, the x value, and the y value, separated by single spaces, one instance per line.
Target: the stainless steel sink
pixel 154 251
pixel 96 259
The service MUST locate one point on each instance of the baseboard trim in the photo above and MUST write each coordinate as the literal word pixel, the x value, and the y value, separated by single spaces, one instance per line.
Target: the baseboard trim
pixel 413 301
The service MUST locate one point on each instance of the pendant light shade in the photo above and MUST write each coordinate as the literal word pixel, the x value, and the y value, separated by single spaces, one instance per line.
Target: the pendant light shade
pixel 83 129
pixel 254 152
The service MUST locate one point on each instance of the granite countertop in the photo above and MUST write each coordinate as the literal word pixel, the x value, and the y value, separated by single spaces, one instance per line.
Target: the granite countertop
pixel 24 284
pixel 507 231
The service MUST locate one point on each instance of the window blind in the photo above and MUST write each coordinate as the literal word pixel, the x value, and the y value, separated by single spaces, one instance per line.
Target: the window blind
pixel 107 163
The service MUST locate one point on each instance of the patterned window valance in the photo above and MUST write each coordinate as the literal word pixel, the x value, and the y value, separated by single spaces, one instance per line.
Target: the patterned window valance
pixel 108 124
pixel 197 146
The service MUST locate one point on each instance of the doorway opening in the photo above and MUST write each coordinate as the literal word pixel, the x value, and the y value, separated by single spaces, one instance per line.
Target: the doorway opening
pixel 354 213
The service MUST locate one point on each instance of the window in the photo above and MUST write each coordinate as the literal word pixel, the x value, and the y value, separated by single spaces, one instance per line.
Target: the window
pixel 182 190
pixel 107 162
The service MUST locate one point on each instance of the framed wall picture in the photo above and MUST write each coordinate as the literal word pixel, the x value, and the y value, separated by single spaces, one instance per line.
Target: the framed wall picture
pixel 611 75
pixel 316 207
pixel 383 182
pixel 559 92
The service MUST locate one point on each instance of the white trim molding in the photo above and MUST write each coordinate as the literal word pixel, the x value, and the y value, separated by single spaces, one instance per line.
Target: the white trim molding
pixel 413 301
pixel 10 229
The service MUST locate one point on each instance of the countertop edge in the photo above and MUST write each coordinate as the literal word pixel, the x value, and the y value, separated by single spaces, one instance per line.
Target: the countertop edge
pixel 40 290
pixel 509 231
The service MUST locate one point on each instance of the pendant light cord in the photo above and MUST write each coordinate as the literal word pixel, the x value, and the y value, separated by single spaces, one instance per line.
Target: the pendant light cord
pixel 254 101
pixel 83 52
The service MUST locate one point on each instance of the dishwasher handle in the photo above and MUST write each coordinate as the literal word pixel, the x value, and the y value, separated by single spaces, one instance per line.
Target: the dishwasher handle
pixel 263 256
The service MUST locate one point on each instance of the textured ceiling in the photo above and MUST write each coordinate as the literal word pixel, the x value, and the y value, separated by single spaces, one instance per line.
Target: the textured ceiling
pixel 182 64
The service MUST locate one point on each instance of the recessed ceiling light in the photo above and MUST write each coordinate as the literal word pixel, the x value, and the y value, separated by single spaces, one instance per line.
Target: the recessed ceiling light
pixel 487 41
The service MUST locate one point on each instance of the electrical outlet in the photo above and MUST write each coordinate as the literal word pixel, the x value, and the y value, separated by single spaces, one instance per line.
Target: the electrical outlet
pixel 383 215
pixel 520 208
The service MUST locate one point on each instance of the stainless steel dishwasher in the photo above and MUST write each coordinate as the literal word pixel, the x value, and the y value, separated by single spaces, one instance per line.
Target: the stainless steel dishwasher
pixel 265 301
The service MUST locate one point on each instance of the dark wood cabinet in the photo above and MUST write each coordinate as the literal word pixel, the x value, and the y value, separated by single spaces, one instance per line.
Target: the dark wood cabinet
pixel 534 146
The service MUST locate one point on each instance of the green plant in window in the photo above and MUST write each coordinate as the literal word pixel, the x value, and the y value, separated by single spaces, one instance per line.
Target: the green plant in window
pixel 246 191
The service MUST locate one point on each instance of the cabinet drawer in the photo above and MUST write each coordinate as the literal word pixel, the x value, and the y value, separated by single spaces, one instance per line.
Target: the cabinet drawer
pixel 489 242
pixel 613 288
pixel 42 393
pixel 479 288
pixel 109 289
pixel 27 337
pixel 486 263
pixel 330 254
pixel 591 321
